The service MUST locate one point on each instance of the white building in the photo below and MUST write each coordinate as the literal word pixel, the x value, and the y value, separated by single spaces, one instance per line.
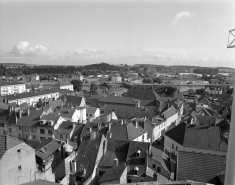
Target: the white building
pixel 7 88
pixel 61 85
pixel 32 97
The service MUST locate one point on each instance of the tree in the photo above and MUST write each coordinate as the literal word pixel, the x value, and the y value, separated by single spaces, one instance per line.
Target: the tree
pixel 93 87
pixel 77 85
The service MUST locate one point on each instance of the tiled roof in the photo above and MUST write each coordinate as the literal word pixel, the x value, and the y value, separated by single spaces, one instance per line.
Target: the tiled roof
pixel 91 110
pixel 113 174
pixel 205 120
pixel 134 160
pixel 95 97
pixel 30 120
pixel 119 132
pixel 60 84
pixel 30 94
pixel 199 167
pixel 4 83
pixel 71 100
pixel 66 127
pixel 204 137
pixel 129 112
pixel 87 154
pixel 47 147
pixel 50 117
pixel 118 100
pixel 116 149
pixel 134 132
pixel 77 131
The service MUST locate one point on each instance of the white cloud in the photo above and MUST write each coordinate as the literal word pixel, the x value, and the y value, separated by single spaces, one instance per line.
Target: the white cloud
pixel 159 56
pixel 23 49
pixel 182 15
pixel 88 51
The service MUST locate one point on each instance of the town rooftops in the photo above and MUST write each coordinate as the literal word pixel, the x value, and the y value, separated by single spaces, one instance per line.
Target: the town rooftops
pixel 129 112
pixel 31 94
pixel 119 132
pixel 86 156
pixel 204 120
pixel 114 173
pixel 204 137
pixel 26 120
pixel 71 100
pixel 61 84
pixel 66 127
pixel 119 100
pixel 199 167
pixel 91 110
pixel 4 83
pixel 47 148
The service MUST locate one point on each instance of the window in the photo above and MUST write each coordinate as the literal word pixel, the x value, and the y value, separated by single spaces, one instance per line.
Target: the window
pixel 138 153
pixel 210 146
pixel 42 131
pixel 154 166
pixel 90 115
pixel 172 146
pixel 41 138
pixel 20 128
pixel 1 124
pixel 176 148
pixel 26 136
pixel 143 137
pixel 61 136
pixel 19 168
pixel 33 130
pixel 50 132
pixel 158 169
pixel 34 137
pixel 10 130
pixel 19 135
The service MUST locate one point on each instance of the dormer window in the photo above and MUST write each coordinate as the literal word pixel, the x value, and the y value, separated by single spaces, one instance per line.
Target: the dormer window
pixel 138 153
pixel 136 169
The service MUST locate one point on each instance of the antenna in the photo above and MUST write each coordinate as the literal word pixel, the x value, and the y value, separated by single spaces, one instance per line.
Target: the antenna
pixel 231 39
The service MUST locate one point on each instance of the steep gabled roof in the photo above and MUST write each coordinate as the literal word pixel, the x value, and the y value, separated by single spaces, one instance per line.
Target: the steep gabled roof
pixel 199 167
pixel 71 100
pixel 177 133
pixel 119 132
pixel 114 173
pixel 47 148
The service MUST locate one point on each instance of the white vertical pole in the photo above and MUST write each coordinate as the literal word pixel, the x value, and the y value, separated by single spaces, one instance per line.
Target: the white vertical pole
pixel 230 163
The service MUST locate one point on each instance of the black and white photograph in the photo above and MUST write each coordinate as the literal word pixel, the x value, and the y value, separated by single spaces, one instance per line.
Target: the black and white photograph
pixel 109 92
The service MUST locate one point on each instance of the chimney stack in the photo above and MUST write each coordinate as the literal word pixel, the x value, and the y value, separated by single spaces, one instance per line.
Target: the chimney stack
pixel 136 123
pixel 115 162
pixel 92 135
pixel 28 112
pixel 109 135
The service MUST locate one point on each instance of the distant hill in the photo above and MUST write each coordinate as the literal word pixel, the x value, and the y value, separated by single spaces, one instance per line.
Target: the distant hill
pixel 102 66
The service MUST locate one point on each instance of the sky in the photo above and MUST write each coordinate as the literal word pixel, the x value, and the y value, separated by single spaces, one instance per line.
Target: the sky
pixel 169 32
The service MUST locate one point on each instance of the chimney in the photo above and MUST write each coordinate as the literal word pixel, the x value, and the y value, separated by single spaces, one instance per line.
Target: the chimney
pixel 28 112
pixel 73 166
pixel 109 135
pixel 20 113
pixel 109 126
pixel 92 135
pixel 121 122
pixel 115 162
pixel 136 124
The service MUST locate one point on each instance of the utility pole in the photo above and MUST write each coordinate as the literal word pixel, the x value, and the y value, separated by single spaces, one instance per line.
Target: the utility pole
pixel 230 163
